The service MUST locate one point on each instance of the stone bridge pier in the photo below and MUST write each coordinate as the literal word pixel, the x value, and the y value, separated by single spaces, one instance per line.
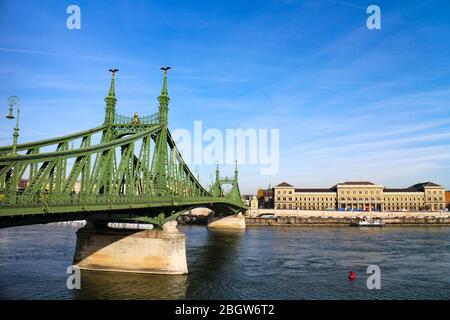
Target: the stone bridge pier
pixel 129 250
pixel 235 221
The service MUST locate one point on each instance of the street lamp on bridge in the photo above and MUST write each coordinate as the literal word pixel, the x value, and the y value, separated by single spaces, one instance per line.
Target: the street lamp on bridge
pixel 14 100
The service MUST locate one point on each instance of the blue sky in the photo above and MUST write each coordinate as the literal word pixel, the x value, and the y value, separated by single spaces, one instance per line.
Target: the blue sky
pixel 350 103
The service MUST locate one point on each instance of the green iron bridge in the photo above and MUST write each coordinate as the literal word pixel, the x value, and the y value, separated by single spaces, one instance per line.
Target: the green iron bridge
pixel 135 173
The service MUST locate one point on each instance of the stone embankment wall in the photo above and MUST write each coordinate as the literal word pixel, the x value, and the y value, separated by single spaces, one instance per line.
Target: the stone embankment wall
pixel 343 221
pixel 344 218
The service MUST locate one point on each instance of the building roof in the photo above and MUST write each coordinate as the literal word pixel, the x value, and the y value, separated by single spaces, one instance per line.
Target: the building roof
pixel 315 190
pixel 351 183
pixel 422 185
pixel 410 189
pixel 284 184
pixel 418 187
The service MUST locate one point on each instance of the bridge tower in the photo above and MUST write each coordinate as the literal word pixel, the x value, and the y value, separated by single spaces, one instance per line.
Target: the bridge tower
pixel 108 157
pixel 216 189
pixel 235 194
pixel 160 159
pixel 110 108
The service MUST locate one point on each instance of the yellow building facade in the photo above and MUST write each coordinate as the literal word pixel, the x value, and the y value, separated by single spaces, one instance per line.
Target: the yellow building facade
pixel 361 196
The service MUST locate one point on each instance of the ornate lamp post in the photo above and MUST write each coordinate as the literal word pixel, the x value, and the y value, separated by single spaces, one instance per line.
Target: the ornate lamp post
pixel 14 100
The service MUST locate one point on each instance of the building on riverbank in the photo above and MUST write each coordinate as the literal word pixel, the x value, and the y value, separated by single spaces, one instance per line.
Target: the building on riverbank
pixel 265 198
pixel 447 199
pixel 361 196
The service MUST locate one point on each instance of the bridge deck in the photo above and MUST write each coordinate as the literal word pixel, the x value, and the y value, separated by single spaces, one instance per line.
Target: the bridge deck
pixel 99 203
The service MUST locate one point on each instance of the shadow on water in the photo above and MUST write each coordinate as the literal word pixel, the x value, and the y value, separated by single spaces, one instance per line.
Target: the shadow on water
pixel 123 285
pixel 211 261
pixel 221 249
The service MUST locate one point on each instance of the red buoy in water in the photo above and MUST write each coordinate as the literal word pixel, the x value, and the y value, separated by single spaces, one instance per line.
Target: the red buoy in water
pixel 352 275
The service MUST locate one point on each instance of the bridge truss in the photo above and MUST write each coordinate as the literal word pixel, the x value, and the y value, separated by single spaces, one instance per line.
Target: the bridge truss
pixel 133 173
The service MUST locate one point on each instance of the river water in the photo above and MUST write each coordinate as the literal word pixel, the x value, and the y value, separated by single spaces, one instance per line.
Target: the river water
pixel 260 263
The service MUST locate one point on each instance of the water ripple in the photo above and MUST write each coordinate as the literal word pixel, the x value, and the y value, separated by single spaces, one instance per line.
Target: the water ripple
pixel 260 263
